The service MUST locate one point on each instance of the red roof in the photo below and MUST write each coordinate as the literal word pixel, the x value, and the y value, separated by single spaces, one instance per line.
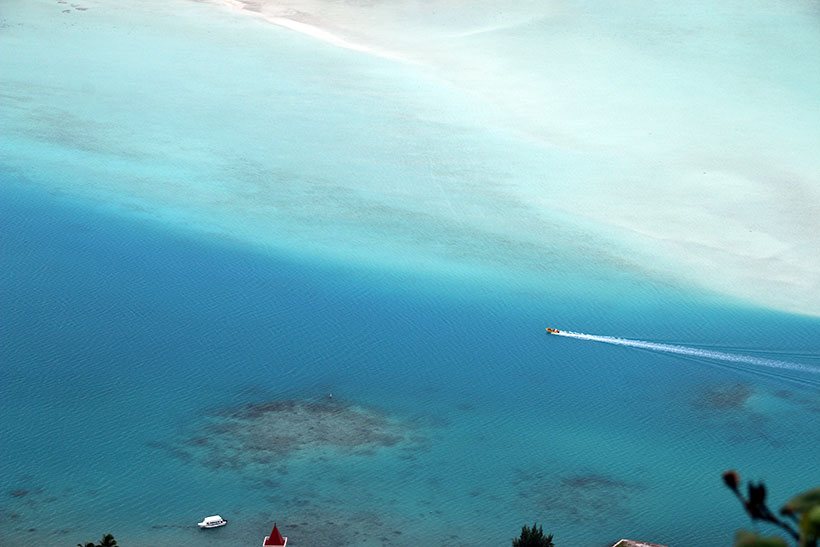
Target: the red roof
pixel 275 538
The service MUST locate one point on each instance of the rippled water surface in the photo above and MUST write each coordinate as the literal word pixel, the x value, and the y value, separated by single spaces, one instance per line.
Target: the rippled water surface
pixel 153 378
pixel 245 272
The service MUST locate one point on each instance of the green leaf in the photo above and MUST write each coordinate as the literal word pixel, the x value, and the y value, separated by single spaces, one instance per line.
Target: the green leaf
pixel 810 524
pixel 748 539
pixel 803 502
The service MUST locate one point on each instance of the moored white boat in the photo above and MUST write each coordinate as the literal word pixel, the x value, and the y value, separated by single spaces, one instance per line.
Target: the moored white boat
pixel 214 521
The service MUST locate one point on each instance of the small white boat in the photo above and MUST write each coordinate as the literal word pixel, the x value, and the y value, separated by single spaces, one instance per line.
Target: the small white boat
pixel 214 521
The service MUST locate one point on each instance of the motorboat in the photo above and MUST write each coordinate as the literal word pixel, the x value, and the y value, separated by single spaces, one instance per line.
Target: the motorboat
pixel 214 521
pixel 553 331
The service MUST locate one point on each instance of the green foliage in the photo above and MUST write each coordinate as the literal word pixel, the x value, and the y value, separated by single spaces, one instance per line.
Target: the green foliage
pixel 805 510
pixel 803 502
pixel 810 526
pixel 533 537
pixel 802 510
pixel 106 541
pixel 745 538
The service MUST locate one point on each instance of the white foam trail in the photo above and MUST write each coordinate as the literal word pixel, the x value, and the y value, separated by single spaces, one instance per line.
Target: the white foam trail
pixel 692 352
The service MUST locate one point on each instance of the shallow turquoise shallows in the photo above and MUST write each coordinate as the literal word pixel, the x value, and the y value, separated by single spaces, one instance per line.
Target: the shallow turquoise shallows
pixel 203 216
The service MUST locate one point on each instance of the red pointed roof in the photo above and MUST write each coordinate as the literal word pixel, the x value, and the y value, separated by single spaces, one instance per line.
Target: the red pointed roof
pixel 275 538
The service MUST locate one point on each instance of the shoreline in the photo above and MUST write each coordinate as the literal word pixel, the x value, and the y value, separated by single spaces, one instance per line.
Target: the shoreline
pixel 311 30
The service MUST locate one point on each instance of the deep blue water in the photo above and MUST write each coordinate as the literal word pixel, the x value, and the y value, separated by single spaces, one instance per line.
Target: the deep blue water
pixel 118 337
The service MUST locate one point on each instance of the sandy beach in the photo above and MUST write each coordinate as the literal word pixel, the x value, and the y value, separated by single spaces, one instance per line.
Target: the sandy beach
pixel 706 179
pixel 301 22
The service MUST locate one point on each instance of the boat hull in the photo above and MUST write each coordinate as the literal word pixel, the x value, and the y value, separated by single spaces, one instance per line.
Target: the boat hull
pixel 205 525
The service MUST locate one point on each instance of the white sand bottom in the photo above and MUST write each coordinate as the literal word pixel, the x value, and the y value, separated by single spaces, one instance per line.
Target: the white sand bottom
pixel 541 140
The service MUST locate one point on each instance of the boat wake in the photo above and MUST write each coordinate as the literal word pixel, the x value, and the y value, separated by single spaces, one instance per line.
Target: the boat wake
pixel 691 352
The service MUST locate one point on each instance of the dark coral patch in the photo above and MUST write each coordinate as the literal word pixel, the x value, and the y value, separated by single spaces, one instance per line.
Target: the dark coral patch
pixel 575 497
pixel 267 434
pixel 728 397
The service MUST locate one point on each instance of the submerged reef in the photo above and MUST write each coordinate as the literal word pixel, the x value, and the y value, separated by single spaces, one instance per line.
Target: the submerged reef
pixel 311 460
pixel 724 397
pixel 744 414
pixel 25 503
pixel 727 409
pixel 573 497
pixel 271 433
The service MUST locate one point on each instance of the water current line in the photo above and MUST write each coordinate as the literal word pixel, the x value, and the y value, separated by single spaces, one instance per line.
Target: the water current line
pixel 692 352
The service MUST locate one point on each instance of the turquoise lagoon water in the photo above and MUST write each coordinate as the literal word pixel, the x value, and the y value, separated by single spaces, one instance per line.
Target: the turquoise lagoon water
pixel 341 225
pixel 119 338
